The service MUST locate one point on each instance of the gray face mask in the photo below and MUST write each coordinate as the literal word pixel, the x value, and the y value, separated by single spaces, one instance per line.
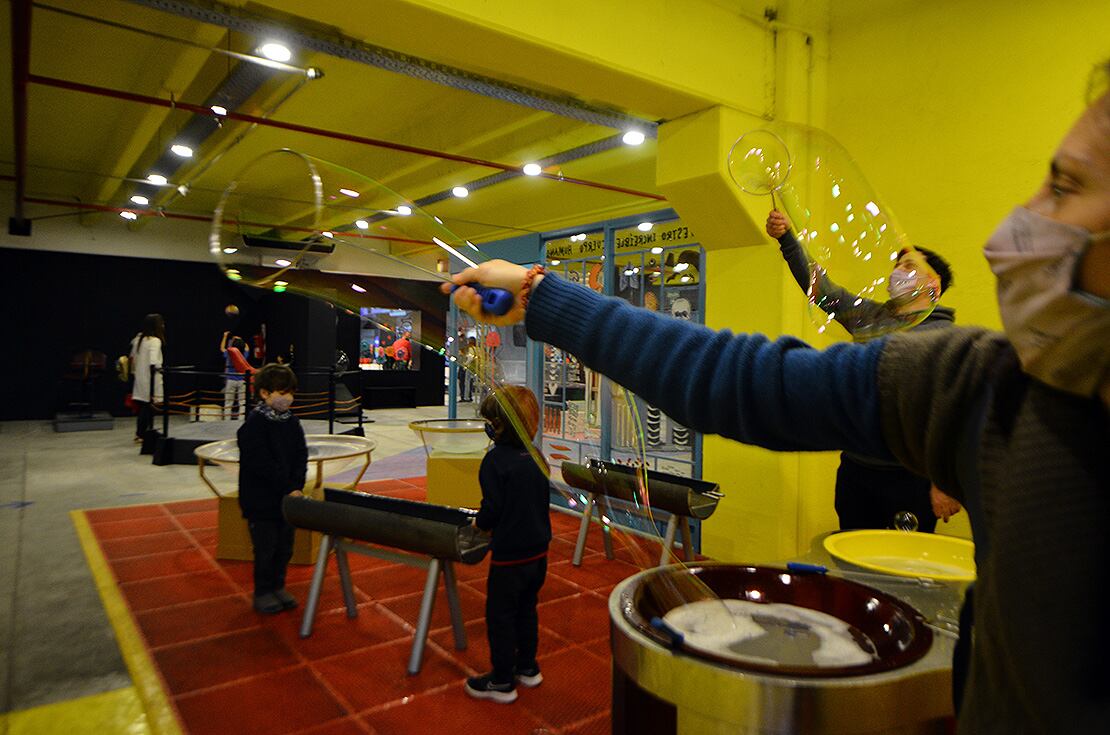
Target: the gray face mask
pixel 1061 335
pixel 279 402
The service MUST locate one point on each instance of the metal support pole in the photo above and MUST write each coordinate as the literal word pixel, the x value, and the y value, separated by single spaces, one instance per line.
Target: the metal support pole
pixel 425 619
pixel 18 224
pixel 331 402
pixel 314 588
pixel 165 401
pixel 345 579
pixel 668 539
pixel 453 604
pixel 580 546
pixel 687 544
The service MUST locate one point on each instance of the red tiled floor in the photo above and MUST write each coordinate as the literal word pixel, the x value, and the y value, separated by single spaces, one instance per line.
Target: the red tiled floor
pixel 563 698
pixel 475 657
pixel 202 519
pixel 333 633
pixel 119 514
pixel 195 620
pixel 165 591
pixel 194 665
pixel 577 618
pixel 472 606
pixel 134 527
pixel 377 676
pixel 181 561
pixel 452 705
pixel 599 725
pixel 283 702
pixel 395 580
pixel 191 506
pixel 349 726
pixel 143 545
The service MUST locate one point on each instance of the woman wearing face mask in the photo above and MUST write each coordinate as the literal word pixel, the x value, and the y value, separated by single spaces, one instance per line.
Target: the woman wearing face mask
pixel 1014 425
pixel 273 460
pixel 870 493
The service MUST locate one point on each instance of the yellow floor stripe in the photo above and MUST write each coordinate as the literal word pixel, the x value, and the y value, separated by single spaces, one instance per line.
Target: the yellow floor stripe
pixel 159 712
pixel 119 712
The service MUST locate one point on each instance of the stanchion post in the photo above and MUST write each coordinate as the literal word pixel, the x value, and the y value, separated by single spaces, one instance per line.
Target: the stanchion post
pixel 165 400
pixel 361 390
pixel 331 401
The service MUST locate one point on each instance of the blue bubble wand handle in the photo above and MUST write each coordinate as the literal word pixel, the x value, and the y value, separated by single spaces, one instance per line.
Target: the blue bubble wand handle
pixel 496 301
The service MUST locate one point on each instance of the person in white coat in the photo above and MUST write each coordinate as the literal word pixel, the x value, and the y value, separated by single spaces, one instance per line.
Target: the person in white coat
pixel 146 352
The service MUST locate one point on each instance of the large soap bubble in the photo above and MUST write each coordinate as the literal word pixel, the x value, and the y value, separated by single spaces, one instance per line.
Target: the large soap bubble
pixel 863 271
pixel 291 222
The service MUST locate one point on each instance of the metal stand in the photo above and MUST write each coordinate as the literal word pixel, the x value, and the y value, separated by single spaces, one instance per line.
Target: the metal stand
pixel 587 516
pixel 434 566
pixel 677 522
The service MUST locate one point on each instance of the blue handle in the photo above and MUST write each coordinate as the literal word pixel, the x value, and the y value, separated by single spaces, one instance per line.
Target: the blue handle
pixel 496 301
pixel 797 566
pixel 676 637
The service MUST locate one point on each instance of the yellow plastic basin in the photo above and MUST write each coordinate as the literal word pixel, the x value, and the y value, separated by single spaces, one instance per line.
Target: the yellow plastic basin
pixel 906 554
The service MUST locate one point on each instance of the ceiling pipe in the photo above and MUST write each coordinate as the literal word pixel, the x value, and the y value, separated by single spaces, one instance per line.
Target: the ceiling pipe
pixel 333 134
pixel 18 224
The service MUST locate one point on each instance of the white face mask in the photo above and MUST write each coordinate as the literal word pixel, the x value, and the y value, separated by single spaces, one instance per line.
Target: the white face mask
pixel 1062 336
pixel 279 402
pixel 904 285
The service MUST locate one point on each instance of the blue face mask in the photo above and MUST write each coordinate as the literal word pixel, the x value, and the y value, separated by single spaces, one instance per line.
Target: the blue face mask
pixel 490 431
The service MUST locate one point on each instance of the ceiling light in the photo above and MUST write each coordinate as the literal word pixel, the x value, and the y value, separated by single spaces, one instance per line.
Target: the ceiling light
pixel 633 137
pixel 218 109
pixel 656 250
pixel 461 192
pixel 282 262
pixel 140 200
pixel 362 224
pixel 473 246
pixel 404 210
pixel 183 190
pixel 358 288
pixel 643 226
pixel 437 219
pixel 281 283
pixel 349 192
pixel 157 179
pixel 275 51
pixel 182 150
pixel 327 233
pixel 314 72
pixel 229 251
pixel 129 215
pixel 685 279
pixel 532 169
pixel 681 267
pixel 555 262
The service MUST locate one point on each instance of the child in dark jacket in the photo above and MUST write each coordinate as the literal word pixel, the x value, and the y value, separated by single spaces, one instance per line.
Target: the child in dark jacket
pixel 515 497
pixel 273 460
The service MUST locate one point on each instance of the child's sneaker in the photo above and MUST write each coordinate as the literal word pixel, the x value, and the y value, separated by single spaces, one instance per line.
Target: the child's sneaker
pixel 483 687
pixel 286 599
pixel 267 604
pixel 529 677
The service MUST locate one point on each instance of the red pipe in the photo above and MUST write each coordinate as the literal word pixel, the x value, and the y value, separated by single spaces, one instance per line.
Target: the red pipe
pixel 336 135
pixel 21 67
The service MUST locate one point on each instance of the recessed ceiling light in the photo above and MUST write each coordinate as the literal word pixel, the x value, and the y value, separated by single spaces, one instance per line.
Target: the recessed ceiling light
pixel 218 109
pixel 282 262
pixel 532 169
pixel 473 246
pixel 275 51
pixel 157 179
pixel 555 262
pixel 681 267
pixel 183 190
pixel 461 192
pixel 182 150
pixel 362 224
pixel 129 215
pixel 349 192
pixel 358 288
pixel 229 251
pixel 327 233
pixel 633 137
pixel 437 219
pixel 643 226
pixel 314 72
pixel 404 210
pixel 656 250
pixel 281 283
pixel 140 200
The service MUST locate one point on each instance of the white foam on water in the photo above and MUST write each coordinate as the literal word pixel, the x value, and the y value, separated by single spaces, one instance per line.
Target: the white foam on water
pixel 717 626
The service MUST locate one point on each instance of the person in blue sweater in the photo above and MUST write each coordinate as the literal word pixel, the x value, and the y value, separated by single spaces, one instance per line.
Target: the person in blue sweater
pixel 273 461
pixel 1012 425
pixel 515 498
pixel 870 493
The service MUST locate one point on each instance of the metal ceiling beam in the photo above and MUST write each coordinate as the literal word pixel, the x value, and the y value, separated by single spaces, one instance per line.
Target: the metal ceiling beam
pixel 333 134
pixel 18 224
pixel 345 47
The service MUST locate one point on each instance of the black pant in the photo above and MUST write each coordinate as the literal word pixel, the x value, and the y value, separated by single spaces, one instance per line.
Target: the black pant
pixel 512 625
pixel 273 548
pixel 145 420
pixel 870 497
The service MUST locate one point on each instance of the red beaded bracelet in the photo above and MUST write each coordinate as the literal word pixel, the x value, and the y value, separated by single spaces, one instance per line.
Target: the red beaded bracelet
pixel 526 286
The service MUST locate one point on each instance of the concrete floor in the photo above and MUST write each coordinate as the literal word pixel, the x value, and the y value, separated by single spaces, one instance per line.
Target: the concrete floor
pixel 55 641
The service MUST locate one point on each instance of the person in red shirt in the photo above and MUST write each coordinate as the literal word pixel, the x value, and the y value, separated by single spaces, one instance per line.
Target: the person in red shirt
pixel 402 351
